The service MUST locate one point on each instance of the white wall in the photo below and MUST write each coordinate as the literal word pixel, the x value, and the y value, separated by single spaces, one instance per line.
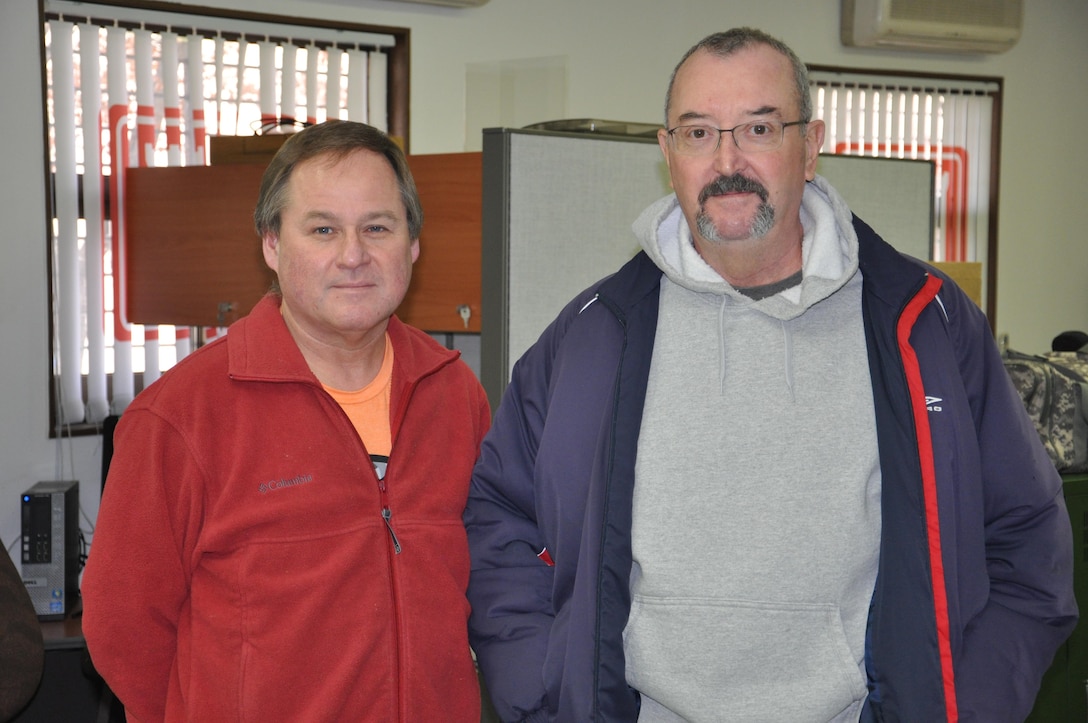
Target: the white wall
pixel 617 55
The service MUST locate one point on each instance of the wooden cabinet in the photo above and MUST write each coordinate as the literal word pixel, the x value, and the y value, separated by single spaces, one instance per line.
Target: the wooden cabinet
pixel 447 274
pixel 192 257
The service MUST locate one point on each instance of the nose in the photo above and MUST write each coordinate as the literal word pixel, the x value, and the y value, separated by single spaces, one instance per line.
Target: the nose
pixel 354 250
pixel 727 157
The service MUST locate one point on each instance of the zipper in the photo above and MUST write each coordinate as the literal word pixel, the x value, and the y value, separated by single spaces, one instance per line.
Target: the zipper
pixel 387 516
pixel 380 464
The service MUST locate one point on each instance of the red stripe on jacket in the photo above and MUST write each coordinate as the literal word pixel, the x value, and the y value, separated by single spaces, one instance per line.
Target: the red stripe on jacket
pixel 929 486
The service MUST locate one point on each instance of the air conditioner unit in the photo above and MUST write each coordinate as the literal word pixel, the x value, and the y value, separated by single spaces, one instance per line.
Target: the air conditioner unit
pixel 449 3
pixel 950 26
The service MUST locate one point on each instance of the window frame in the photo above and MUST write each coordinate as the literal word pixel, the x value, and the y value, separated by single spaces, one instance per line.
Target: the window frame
pixel 397 104
pixel 990 264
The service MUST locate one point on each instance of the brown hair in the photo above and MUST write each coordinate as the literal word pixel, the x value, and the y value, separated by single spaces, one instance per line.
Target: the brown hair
pixel 336 138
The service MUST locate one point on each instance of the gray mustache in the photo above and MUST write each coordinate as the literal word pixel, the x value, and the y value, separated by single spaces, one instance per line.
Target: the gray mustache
pixel 732 184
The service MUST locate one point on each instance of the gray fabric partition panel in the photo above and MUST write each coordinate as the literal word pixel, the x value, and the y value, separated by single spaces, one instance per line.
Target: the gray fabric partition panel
pixel 894 196
pixel 557 215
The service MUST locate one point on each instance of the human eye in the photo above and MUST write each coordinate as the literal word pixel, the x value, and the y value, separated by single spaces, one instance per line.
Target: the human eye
pixel 761 129
pixel 696 139
pixel 380 224
pixel 696 134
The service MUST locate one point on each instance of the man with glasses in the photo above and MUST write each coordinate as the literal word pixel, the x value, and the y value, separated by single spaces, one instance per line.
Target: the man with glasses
pixel 770 470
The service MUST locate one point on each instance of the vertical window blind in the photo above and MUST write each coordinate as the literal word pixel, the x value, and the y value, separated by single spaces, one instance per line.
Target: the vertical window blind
pixel 137 87
pixel 949 122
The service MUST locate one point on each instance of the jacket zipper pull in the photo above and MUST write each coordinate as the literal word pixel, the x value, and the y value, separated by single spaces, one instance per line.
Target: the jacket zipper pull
pixel 387 515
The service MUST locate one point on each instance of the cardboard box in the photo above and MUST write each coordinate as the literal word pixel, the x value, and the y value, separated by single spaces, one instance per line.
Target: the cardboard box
pixel 253 149
pixel 244 149
pixel 966 274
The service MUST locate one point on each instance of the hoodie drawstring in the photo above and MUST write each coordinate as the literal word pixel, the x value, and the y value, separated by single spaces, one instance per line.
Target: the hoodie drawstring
pixel 721 346
pixel 787 356
pixel 787 351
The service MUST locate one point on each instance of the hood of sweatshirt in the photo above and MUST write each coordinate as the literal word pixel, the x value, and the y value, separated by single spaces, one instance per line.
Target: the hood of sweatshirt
pixel 829 252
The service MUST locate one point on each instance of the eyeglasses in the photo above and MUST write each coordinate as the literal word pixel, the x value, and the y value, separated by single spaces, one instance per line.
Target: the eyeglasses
pixel 753 137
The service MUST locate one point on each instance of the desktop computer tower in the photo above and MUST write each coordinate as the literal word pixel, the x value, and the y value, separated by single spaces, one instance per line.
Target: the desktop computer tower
pixel 50 547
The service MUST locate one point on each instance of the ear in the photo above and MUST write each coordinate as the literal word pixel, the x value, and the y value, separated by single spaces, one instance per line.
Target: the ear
pixel 415 250
pixel 814 141
pixel 270 244
pixel 663 144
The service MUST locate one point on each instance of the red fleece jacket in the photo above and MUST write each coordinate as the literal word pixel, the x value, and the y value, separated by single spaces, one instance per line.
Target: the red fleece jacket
pixel 243 566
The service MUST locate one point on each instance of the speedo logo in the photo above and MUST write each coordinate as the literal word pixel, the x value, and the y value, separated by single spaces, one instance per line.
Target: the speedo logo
pixel 933 404
pixel 283 482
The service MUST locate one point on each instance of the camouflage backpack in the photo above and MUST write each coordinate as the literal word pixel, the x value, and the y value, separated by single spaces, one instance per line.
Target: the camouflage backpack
pixel 1054 389
pixel 1074 362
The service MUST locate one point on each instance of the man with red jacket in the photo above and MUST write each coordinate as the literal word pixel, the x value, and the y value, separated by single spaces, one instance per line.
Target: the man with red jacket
pixel 280 536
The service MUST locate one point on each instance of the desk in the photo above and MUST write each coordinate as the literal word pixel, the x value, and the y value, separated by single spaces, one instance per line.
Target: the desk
pixel 70 690
pixel 1063 695
pixel 64 634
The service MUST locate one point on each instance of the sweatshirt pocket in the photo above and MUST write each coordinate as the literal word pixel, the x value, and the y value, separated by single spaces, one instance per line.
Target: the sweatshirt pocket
pixel 710 659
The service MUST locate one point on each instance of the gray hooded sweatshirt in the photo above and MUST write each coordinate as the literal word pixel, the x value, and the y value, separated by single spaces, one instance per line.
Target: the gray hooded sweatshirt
pixel 757 486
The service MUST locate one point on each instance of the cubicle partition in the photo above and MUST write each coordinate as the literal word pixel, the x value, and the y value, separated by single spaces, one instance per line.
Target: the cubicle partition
pixel 557 214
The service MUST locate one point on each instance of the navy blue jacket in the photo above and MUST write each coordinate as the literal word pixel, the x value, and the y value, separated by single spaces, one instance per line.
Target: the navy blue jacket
pixel 974 589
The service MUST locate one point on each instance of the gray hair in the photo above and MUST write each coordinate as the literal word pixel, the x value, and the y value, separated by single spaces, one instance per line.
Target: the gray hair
pixel 726 43
pixel 338 139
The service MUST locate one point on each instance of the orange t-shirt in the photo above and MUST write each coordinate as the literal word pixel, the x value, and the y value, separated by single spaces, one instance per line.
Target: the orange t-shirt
pixel 368 408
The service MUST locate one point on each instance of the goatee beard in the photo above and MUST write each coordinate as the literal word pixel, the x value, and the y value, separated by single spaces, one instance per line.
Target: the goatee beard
pixel 736 183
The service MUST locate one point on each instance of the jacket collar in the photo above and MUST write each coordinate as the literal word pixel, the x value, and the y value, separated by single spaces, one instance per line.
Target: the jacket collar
pixel 637 279
pixel 260 348
pixel 889 275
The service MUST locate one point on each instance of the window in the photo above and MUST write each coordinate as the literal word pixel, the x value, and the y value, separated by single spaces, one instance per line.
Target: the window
pixel 953 121
pixel 134 85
